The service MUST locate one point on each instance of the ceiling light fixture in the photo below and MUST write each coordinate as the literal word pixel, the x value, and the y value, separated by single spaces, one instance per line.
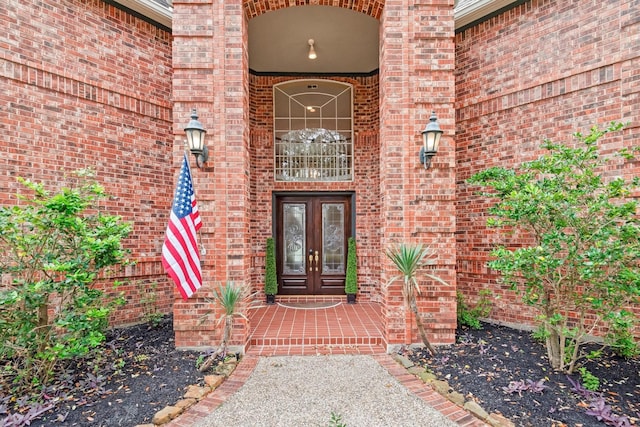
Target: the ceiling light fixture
pixel 312 51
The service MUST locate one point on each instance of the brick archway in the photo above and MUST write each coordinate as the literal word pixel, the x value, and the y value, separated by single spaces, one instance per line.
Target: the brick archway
pixel 211 73
pixel 372 8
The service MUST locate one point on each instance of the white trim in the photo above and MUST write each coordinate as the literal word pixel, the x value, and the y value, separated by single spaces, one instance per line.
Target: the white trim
pixel 150 9
pixel 476 10
pixel 468 13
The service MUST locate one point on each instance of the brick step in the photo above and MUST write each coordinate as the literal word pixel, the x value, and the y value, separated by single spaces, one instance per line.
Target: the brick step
pixel 311 350
pixel 317 341
pixel 310 298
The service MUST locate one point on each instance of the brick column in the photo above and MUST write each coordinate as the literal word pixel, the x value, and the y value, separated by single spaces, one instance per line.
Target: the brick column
pixel 211 73
pixel 418 206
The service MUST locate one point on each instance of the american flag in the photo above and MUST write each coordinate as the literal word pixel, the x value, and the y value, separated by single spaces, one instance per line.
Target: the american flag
pixel 180 255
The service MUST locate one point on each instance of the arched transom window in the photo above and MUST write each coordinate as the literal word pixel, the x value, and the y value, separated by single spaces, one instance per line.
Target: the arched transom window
pixel 313 128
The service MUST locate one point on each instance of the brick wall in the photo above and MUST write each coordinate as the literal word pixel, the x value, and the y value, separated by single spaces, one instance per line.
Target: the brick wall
pixel 210 67
pixel 417 205
pixel 83 84
pixel 543 69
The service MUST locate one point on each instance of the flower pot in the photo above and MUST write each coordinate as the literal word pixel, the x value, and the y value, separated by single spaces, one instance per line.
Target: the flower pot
pixel 271 299
pixel 351 298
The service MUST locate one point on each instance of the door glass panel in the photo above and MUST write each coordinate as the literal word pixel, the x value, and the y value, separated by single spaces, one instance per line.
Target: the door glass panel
pixel 294 220
pixel 333 256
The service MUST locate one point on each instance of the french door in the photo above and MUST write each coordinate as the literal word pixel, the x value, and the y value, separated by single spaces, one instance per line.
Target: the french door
pixel 311 243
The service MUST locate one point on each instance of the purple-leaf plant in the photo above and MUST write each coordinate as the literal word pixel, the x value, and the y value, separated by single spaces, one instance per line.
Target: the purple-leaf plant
pixel 520 386
pixel 598 406
pixel 17 419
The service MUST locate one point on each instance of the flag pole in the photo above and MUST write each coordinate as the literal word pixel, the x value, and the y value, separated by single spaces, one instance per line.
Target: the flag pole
pixel 203 251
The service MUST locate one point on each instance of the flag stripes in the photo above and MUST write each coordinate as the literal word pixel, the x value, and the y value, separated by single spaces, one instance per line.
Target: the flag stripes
pixel 180 254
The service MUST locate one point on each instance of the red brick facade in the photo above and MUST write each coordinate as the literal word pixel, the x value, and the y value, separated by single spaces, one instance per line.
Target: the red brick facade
pixel 83 84
pixel 544 69
pixel 92 85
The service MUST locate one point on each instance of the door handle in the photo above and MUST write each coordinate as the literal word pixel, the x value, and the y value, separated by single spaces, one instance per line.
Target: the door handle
pixel 311 259
pixel 316 258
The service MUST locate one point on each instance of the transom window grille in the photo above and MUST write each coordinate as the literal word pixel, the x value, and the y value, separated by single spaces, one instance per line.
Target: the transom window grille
pixel 313 131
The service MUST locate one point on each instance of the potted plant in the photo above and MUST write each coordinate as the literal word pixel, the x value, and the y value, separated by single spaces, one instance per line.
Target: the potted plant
pixel 270 276
pixel 351 281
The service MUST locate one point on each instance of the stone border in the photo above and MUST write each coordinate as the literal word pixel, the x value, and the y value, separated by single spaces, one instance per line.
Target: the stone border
pixel 443 389
pixel 199 401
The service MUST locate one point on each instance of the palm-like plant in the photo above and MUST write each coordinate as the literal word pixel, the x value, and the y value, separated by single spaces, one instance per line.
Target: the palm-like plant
pixel 408 259
pixel 229 296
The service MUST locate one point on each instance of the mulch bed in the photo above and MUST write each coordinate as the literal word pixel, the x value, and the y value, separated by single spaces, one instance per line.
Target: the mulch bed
pixel 140 372
pixel 483 363
pixel 137 373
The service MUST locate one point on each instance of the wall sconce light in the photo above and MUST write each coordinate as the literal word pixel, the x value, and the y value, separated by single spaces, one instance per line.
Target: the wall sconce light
pixel 312 51
pixel 430 140
pixel 195 139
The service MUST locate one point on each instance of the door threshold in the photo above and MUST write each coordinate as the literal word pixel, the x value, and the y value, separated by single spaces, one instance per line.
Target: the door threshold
pixel 310 298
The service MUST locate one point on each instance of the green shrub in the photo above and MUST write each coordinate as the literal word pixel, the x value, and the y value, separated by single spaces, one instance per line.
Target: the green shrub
pixel 271 278
pixel 471 316
pixel 620 336
pixel 351 281
pixel 589 381
pixel 581 261
pixel 52 247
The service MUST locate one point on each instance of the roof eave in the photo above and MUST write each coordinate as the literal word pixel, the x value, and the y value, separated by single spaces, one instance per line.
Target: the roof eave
pixel 475 11
pixel 150 9
pixel 465 14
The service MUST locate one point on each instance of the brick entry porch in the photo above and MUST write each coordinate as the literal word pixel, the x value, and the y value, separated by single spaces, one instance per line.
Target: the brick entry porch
pixel 341 328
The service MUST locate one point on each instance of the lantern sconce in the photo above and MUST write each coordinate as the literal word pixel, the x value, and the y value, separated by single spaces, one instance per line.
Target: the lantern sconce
pixel 430 140
pixel 195 139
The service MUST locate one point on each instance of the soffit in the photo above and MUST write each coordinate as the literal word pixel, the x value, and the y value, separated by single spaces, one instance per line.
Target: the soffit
pixel 345 41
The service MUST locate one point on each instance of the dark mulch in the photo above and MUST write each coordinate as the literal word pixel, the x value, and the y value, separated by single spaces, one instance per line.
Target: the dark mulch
pixel 137 373
pixel 484 362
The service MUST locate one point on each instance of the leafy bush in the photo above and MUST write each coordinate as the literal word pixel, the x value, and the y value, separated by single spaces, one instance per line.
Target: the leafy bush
pixel 590 381
pixel 620 336
pixel 581 264
pixel 52 248
pixel 470 316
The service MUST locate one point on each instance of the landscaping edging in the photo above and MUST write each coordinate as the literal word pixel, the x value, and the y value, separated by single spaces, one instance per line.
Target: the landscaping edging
pixel 195 393
pixel 444 389
pixel 200 401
